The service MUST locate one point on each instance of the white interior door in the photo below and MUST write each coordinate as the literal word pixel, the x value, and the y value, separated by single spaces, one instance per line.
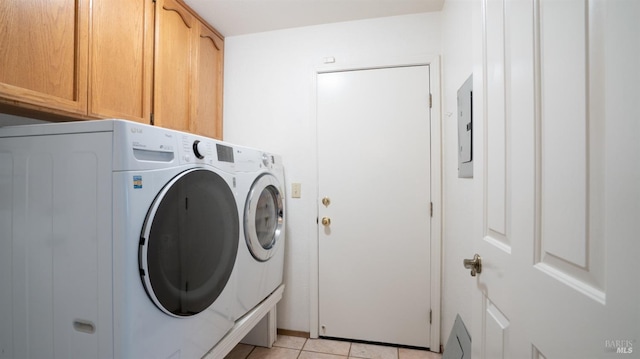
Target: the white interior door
pixel 558 179
pixel 373 157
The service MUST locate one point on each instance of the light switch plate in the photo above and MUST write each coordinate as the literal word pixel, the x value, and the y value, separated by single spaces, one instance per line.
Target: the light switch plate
pixel 296 190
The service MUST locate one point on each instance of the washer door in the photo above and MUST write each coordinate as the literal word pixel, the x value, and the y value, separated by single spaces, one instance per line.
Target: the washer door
pixel 264 217
pixel 189 243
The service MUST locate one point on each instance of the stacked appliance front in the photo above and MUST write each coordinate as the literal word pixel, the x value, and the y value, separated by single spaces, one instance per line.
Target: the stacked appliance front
pixel 116 240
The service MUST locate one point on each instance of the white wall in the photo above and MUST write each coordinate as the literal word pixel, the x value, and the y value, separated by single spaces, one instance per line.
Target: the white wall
pixel 269 104
pixel 457 65
pixel 11 120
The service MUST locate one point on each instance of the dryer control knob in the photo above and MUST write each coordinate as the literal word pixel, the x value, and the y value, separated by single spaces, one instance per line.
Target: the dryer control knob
pixel 198 149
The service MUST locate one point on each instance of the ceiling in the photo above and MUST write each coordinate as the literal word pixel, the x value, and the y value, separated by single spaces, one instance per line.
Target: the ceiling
pixel 238 17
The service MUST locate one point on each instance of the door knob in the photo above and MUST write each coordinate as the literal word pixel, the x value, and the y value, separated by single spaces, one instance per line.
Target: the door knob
pixel 326 201
pixel 474 264
pixel 326 221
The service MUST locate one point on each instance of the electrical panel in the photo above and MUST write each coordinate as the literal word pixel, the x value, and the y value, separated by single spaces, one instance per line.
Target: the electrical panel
pixel 465 129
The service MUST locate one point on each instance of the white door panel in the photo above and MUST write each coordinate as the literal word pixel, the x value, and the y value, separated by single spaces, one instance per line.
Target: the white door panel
pixel 374 154
pixel 558 175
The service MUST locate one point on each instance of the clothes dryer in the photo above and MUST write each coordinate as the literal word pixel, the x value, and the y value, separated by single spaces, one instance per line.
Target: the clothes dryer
pixel 117 239
pixel 261 197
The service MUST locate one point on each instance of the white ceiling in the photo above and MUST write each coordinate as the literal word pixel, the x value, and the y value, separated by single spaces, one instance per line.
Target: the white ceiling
pixel 238 17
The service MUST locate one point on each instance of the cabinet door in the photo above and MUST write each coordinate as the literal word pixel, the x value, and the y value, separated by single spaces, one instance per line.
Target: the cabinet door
pixel 43 52
pixel 173 69
pixel 121 59
pixel 207 116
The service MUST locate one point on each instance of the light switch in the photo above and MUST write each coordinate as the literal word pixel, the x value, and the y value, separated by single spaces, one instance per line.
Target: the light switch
pixel 296 190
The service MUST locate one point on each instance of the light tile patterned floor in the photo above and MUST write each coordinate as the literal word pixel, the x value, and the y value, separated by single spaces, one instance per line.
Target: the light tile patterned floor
pixel 288 347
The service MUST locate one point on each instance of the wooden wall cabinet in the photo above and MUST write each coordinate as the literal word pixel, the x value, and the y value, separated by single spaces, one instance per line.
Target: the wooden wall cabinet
pixel 78 58
pixel 188 71
pixel 151 62
pixel 43 54
pixel 207 110
pixel 121 59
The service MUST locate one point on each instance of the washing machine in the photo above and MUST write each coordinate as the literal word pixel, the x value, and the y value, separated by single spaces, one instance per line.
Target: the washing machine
pixel 117 240
pixel 261 204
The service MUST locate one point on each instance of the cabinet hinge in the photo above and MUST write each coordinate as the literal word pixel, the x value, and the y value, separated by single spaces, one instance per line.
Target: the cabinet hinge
pixel 430 316
pixel 430 101
pixel 431 209
pixel 152 119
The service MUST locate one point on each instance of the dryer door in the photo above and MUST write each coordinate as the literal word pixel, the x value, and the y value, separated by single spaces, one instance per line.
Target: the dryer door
pixel 189 242
pixel 264 217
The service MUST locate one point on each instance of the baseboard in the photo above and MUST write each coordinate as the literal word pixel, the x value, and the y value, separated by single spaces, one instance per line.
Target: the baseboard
pixel 294 333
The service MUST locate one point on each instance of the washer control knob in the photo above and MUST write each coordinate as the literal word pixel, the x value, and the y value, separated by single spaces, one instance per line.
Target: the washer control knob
pixel 198 149
pixel 265 159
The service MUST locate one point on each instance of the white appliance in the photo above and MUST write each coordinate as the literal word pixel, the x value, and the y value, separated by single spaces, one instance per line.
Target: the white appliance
pixel 117 240
pixel 261 205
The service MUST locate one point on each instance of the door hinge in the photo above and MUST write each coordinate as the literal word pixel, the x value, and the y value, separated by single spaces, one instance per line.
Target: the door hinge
pixel 430 316
pixel 152 120
pixel 431 209
pixel 430 101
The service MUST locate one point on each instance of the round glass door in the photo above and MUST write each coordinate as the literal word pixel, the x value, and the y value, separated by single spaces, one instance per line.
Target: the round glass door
pixel 264 217
pixel 189 243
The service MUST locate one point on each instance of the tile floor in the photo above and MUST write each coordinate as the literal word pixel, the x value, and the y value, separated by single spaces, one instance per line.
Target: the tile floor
pixel 288 347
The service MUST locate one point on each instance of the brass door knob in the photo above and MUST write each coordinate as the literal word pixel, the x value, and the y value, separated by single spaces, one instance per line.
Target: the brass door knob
pixel 326 201
pixel 474 264
pixel 326 221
